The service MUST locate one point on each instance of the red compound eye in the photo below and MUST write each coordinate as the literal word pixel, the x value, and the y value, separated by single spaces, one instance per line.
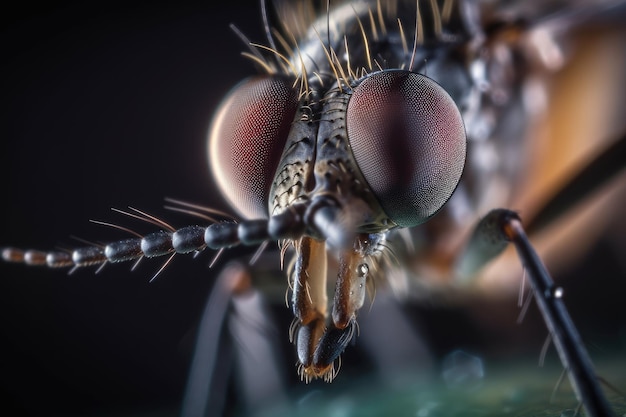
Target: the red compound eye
pixel 247 138
pixel 408 138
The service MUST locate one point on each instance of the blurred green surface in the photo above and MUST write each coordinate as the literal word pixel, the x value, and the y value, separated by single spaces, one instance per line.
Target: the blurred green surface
pixel 518 389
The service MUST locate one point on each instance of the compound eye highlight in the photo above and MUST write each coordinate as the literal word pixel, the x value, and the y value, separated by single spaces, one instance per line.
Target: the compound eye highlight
pixel 247 138
pixel 408 138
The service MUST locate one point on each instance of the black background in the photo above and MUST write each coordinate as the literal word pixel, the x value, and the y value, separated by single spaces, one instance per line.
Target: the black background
pixel 108 105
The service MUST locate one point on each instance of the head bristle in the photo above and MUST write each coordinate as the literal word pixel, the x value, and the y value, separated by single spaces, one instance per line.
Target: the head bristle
pixel 373 25
pixel 365 40
pixel 436 18
pixel 446 10
pixel 381 20
pixel 330 60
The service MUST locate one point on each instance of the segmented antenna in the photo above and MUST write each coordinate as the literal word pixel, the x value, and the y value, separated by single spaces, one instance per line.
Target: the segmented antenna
pixel 169 241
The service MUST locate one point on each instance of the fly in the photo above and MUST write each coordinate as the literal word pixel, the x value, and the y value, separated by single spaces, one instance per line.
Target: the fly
pixel 359 126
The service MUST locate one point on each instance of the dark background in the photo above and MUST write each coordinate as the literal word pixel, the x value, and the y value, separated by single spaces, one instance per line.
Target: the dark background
pixel 105 105
pixel 108 105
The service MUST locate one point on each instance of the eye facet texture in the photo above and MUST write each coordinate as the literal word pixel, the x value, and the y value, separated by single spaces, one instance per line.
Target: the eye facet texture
pixel 408 138
pixel 247 138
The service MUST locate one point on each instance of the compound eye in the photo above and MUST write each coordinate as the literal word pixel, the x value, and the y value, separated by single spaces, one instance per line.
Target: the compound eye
pixel 247 138
pixel 408 138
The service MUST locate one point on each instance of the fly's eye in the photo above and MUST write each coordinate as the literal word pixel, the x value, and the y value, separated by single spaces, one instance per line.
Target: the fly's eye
pixel 408 138
pixel 247 138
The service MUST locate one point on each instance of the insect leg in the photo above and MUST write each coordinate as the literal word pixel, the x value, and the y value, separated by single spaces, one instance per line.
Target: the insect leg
pixel 259 372
pixel 491 235
pixel 210 367
pixel 201 387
